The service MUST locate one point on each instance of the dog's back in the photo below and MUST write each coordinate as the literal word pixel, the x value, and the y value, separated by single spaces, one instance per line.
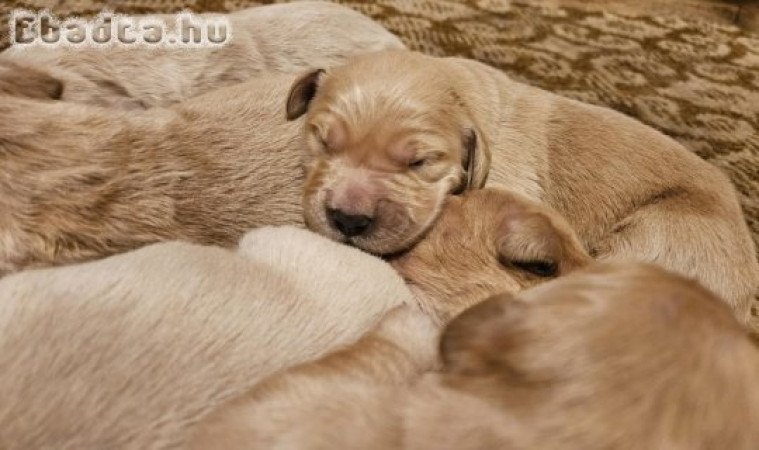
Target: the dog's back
pixel 127 352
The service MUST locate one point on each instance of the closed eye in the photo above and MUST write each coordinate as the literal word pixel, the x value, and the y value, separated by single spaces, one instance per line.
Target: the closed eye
pixel 417 163
pixel 426 158
pixel 540 268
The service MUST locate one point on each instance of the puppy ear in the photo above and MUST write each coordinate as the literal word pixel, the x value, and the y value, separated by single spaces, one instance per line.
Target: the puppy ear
pixel 472 344
pixel 476 161
pixel 302 92
pixel 22 81
pixel 537 240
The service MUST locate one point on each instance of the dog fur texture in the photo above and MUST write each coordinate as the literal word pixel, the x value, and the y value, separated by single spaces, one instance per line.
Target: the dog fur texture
pixel 131 350
pixel 79 182
pixel 393 133
pixel 283 38
pixel 486 242
pixel 616 356
pixel 128 351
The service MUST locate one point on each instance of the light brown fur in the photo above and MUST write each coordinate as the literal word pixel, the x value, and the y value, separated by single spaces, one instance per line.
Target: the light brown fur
pixel 127 352
pixel 131 350
pixel 618 356
pixel 628 190
pixel 283 38
pixel 79 182
pixel 486 242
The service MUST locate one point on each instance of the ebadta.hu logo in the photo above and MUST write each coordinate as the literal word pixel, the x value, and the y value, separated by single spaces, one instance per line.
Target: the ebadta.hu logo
pixel 42 28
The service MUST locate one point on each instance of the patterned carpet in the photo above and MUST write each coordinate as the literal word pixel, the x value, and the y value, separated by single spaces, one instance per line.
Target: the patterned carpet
pixel 695 81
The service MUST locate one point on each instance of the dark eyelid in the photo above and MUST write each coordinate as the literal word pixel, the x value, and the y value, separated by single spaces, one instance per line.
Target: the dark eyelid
pixel 416 163
pixel 539 268
pixel 428 156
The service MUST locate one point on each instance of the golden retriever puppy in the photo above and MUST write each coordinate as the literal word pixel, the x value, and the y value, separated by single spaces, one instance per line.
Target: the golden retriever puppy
pixel 617 356
pixel 275 38
pixel 79 182
pixel 479 237
pixel 394 133
pixel 131 350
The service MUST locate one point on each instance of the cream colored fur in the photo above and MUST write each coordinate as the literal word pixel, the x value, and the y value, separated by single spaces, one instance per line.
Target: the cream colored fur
pixel 128 351
pixel 274 38
pixel 622 356
pixel 406 122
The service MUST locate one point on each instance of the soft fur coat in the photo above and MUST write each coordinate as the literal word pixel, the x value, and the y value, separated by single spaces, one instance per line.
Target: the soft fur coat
pixel 79 182
pixel 129 351
pixel 282 38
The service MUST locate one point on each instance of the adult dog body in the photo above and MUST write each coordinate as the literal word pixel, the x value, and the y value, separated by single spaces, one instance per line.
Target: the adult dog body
pixel 401 128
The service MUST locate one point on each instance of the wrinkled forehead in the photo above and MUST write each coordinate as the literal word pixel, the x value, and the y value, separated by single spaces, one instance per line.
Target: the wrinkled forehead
pixel 477 208
pixel 380 94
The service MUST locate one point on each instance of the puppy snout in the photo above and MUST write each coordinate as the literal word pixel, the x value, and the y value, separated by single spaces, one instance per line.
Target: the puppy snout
pixel 350 225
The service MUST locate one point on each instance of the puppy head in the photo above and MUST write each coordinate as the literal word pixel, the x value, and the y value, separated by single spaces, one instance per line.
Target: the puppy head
pixel 487 241
pixel 22 81
pixel 391 139
pixel 607 356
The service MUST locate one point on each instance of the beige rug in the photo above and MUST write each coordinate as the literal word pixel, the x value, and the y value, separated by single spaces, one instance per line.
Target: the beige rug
pixel 695 81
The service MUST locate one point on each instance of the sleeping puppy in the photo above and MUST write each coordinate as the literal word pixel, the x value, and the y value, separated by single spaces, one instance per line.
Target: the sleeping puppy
pixel 479 235
pixel 276 38
pixel 79 182
pixel 394 133
pixel 620 355
pixel 130 351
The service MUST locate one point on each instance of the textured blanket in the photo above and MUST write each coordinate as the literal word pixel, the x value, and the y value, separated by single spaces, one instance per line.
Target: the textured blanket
pixel 695 81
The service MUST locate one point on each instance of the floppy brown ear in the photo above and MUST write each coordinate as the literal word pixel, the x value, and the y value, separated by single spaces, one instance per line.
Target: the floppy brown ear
pixel 22 81
pixel 302 92
pixel 536 239
pixel 476 161
pixel 471 343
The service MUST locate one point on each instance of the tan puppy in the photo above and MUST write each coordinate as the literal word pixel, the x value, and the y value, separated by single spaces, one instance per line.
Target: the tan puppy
pixel 129 351
pixel 618 356
pixel 480 238
pixel 393 133
pixel 79 182
pixel 275 38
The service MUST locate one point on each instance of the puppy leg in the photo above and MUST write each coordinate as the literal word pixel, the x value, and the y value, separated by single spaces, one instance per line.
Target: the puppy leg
pixel 650 234
pixel 339 401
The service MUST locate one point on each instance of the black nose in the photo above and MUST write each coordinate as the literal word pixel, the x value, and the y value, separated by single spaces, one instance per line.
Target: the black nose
pixel 348 224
